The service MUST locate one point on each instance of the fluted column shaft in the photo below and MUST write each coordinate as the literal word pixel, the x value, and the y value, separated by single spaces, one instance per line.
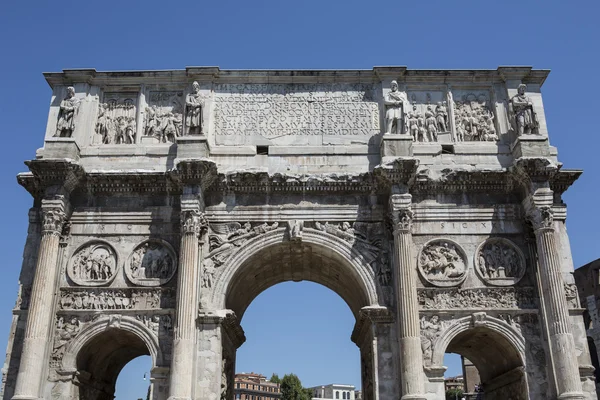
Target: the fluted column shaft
pixel 411 362
pixel 39 316
pixel 184 333
pixel 561 339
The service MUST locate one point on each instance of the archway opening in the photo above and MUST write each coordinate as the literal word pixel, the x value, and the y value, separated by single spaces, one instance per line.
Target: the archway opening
pixel 101 360
pixel 497 362
pixel 334 265
pixel 301 328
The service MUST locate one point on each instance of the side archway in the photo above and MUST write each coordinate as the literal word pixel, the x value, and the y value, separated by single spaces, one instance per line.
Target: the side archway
pixel 99 352
pixel 495 348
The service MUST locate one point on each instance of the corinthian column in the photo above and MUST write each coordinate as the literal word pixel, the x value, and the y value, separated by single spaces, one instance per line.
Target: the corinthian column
pixel 562 345
pixel 411 362
pixel 39 316
pixel 193 225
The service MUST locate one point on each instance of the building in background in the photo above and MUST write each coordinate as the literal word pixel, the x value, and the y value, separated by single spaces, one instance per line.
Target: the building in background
pixel 334 391
pixel 255 387
pixel 587 279
pixel 455 382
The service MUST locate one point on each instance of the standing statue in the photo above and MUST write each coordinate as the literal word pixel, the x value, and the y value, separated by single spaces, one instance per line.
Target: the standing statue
pixel 194 105
pixel 431 125
pixel 524 114
pixel 66 114
pixel 393 114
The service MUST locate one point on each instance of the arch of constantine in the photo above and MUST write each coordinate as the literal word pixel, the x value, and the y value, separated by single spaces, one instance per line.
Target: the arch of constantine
pixel 164 202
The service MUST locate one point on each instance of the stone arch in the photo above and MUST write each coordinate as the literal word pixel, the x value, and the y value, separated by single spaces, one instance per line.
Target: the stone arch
pixel 497 350
pixel 99 352
pixel 270 259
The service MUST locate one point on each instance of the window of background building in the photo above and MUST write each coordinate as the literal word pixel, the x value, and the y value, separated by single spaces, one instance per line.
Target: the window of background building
pixel 337 395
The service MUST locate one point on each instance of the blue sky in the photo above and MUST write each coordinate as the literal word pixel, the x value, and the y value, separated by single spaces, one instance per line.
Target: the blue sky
pixel 110 35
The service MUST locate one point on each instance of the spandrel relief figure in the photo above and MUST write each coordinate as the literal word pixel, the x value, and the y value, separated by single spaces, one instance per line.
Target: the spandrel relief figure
pixel 523 112
pixel 393 113
pixel 194 105
pixel 66 114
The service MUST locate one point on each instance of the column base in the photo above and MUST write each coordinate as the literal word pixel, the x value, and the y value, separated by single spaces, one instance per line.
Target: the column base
pixel 571 396
pixel 414 397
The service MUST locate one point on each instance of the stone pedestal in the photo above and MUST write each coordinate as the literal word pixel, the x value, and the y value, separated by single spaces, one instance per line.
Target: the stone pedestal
pixel 182 366
pixel 530 146
pixel 394 146
pixel 62 148
pixel 192 147
pixel 40 316
pixel 411 357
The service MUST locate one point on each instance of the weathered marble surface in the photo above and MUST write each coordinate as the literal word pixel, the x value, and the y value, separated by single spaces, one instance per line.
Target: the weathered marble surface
pixel 169 200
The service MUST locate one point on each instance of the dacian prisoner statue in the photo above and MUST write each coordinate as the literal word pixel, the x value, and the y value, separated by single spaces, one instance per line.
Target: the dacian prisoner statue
pixel 166 203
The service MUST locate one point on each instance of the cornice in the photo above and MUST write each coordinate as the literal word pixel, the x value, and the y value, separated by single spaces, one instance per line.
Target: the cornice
pixel 459 180
pixel 216 75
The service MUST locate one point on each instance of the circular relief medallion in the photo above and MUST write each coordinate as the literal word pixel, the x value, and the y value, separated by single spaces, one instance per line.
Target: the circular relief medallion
pixel 499 262
pixel 443 263
pixel 93 264
pixel 152 263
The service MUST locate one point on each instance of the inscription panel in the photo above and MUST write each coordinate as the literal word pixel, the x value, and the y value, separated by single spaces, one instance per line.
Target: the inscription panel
pixel 301 114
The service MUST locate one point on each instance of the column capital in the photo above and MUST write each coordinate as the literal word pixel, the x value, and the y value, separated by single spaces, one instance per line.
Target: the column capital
pixel 54 213
pixel 538 209
pixel 193 222
pixel 402 215
pixel 542 218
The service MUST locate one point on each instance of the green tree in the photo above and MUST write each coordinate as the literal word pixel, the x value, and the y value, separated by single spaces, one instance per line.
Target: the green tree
pixel 291 388
pixel 275 378
pixel 454 394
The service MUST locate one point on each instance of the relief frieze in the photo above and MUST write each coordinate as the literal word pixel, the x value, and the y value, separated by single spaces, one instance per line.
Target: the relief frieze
pixel 116 299
pixel 116 123
pixel 164 116
pixel 499 262
pixel 443 263
pixel 485 298
pixel 474 118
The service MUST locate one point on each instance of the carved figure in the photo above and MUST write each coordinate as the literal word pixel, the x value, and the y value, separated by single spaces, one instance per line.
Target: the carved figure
pixel 524 114
pixel 169 128
pixel 295 228
pixel 431 124
pixel 94 264
pixel 384 274
pixel 104 125
pixel 429 333
pixel 393 115
pixel 208 274
pixel 66 114
pixel 65 331
pixel 440 262
pixel 441 117
pixel 499 262
pixel 151 263
pixel 413 125
pixel 152 121
pixel 474 119
pixel 194 105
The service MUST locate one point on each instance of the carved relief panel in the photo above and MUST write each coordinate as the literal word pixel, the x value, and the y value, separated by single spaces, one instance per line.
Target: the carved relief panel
pixel 116 123
pixel 427 118
pixel 164 116
pixel 152 263
pixel 443 263
pixel 474 118
pixel 499 262
pixel 93 264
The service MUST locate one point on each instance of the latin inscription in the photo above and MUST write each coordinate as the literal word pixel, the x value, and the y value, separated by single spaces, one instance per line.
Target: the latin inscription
pixel 272 111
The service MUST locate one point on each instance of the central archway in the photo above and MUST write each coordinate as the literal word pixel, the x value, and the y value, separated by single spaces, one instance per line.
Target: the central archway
pixel 339 265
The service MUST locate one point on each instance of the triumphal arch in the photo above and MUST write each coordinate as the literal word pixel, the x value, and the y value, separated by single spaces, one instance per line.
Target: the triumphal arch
pixel 164 202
